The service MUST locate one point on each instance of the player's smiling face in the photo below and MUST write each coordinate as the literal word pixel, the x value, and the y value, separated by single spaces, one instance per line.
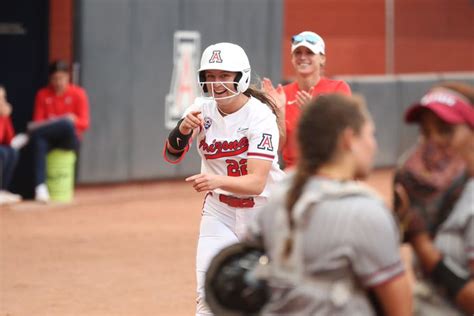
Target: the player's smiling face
pixel 221 83
pixel 305 61
pixel 456 138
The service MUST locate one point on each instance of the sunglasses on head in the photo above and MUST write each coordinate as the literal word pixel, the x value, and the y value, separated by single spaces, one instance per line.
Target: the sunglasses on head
pixel 312 39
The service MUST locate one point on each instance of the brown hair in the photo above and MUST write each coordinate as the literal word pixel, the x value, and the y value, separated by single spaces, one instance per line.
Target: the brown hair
pixel 460 87
pixel 261 96
pixel 321 123
pixel 264 98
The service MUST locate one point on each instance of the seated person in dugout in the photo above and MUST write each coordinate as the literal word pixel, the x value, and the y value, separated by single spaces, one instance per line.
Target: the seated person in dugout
pixel 434 195
pixel 8 152
pixel 61 116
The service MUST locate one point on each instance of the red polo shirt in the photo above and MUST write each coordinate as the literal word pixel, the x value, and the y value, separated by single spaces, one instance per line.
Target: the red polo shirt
pixel 293 112
pixel 74 100
pixel 6 130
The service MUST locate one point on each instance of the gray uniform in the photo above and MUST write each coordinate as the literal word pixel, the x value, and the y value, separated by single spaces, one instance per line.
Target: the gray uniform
pixel 343 244
pixel 455 237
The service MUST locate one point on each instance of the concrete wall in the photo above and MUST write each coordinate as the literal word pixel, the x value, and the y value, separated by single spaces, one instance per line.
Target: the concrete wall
pixel 125 49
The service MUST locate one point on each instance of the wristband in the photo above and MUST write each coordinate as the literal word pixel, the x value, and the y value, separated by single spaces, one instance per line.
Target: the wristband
pixel 178 140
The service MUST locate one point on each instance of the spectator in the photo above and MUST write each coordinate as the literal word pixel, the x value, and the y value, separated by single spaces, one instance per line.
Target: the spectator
pixel 8 154
pixel 61 116
pixel 434 200
pixel 309 60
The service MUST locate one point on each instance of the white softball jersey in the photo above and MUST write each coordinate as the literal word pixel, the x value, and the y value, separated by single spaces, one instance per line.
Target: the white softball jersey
pixel 455 237
pixel 227 142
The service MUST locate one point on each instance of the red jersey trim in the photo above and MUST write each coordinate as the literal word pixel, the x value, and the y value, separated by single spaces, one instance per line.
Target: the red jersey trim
pixel 226 153
pixel 387 269
pixel 261 155
pixel 167 158
pixel 401 273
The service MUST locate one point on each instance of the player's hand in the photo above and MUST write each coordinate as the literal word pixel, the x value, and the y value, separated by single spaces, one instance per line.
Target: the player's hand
pixel 191 121
pixel 71 117
pixel 205 182
pixel 410 220
pixel 303 97
pixel 277 94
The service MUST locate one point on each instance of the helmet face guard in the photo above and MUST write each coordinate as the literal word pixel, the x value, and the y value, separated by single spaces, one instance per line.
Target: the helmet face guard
pixel 215 85
pixel 226 57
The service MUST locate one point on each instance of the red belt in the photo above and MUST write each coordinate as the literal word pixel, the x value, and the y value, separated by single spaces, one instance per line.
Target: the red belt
pixel 237 202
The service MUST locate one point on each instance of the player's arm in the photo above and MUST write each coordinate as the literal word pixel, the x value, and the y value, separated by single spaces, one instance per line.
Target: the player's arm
pixel 395 296
pixel 377 261
pixel 458 287
pixel 442 271
pixel 253 183
pixel 81 113
pixel 178 139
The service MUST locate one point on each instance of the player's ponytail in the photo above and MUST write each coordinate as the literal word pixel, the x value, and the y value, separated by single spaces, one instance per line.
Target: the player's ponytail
pixel 264 98
pixel 320 125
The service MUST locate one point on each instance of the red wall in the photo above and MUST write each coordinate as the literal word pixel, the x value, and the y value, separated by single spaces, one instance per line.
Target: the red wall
pixel 434 35
pixel 61 30
pixel 430 35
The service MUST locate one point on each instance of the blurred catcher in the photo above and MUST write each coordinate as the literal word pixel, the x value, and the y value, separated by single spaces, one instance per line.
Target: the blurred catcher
pixel 434 200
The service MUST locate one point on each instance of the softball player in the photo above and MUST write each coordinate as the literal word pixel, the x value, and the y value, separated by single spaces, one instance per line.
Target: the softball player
pixel 446 249
pixel 330 240
pixel 237 138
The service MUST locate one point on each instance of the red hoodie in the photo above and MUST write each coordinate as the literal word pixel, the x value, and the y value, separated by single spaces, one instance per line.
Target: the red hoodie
pixel 74 100
pixel 6 130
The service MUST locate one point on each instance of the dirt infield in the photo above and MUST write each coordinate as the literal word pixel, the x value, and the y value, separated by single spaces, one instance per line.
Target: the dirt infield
pixel 116 250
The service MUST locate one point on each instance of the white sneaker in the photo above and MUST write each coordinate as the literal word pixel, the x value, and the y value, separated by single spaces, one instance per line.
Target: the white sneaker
pixel 19 141
pixel 8 197
pixel 42 193
pixel 3 199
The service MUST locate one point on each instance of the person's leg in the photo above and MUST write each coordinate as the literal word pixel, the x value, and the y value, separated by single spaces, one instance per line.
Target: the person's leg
pixel 60 134
pixel 40 150
pixel 3 166
pixel 67 135
pixel 10 160
pixel 216 232
pixel 245 216
pixel 214 236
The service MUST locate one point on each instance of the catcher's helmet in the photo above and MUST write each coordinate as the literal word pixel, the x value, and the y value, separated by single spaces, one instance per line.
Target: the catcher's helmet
pixel 232 288
pixel 228 57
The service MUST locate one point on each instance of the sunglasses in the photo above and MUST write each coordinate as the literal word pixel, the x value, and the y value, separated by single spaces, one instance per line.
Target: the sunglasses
pixel 312 39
